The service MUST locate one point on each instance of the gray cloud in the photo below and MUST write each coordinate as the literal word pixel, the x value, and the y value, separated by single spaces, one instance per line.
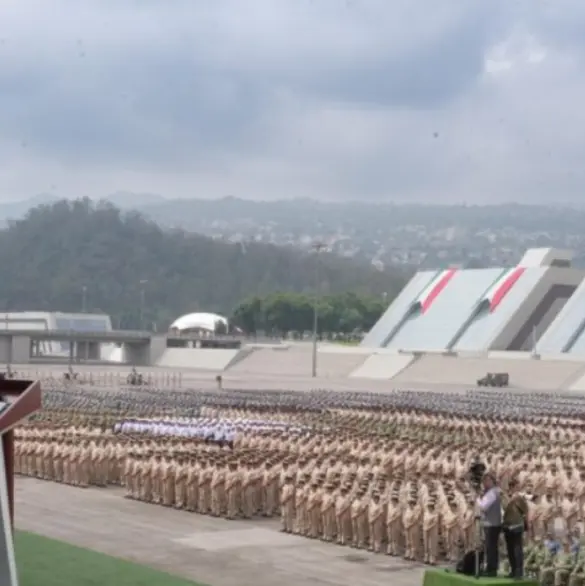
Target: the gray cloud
pixel 403 100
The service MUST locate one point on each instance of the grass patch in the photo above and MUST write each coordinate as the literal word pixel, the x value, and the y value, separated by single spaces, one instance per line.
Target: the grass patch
pixel 46 562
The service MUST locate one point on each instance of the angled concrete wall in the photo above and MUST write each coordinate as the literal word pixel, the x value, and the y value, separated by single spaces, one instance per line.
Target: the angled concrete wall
pixel 524 300
pixel 273 361
pixel 564 330
pixel 377 336
pixel 578 385
pixel 434 328
pixel 332 363
pixel 197 358
pixel 382 366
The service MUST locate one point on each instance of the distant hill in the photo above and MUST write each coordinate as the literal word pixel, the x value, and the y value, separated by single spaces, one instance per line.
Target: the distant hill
pixel 425 236
pixel 16 209
pixel 58 249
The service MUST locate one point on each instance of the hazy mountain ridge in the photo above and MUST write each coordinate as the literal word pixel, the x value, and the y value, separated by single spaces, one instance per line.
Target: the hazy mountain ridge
pixel 418 235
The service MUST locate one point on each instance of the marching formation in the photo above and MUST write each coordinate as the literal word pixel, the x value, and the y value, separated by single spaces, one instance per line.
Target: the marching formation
pixel 387 473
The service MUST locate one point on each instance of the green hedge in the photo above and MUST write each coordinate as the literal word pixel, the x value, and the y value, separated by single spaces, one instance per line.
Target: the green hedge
pixel 444 578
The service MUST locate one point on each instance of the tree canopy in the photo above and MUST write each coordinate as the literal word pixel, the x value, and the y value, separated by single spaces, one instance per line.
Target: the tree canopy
pixel 69 255
pixel 286 313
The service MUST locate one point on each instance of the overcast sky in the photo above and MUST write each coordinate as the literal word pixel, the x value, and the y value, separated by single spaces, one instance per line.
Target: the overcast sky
pixel 389 100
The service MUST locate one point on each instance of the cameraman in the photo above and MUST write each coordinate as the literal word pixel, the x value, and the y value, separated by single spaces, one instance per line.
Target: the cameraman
pixel 490 506
pixel 515 522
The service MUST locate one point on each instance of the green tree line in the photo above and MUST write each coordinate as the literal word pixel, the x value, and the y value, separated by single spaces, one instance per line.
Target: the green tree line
pixel 293 313
pixel 75 255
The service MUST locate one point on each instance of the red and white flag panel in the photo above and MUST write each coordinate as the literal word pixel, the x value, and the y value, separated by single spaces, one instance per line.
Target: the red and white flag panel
pixel 434 289
pixel 496 293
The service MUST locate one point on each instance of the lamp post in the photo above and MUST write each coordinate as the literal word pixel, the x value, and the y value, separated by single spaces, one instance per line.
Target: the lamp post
pixel 143 282
pixel 84 299
pixel 317 248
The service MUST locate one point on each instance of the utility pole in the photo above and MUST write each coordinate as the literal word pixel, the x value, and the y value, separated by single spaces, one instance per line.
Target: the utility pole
pixel 317 248
pixel 143 282
pixel 84 299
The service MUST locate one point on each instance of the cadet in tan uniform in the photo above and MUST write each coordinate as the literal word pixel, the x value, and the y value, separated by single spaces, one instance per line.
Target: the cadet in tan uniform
pixel 121 453
pixel 168 482
pixel 84 472
pixel 570 511
pixel 218 489
pixel 94 457
pixel 146 478
pixel 136 473
pixel 205 475
pixel 394 528
pixel 360 517
pixel 232 487
pixel 314 510
pixel 287 501
pixel 192 484
pixel 181 471
pixel 451 522
pixel 58 463
pixel 302 492
pixel 328 513
pixel 156 476
pixel 343 515
pixel 65 462
pixel 128 473
pixel 38 457
pixel 258 504
pixel 549 511
pixel 49 467
pixel 270 488
pixel 75 455
pixel 376 517
pixel 430 524
pixel 410 520
pixel 102 464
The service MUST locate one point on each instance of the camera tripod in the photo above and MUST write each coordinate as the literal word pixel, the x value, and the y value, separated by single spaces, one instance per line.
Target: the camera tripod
pixel 478 546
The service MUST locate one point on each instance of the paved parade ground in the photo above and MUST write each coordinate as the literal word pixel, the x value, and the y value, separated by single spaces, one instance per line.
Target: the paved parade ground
pixel 204 549
pixel 112 377
pixel 212 551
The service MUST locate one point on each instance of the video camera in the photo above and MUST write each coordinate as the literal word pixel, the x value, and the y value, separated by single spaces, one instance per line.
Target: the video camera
pixel 476 471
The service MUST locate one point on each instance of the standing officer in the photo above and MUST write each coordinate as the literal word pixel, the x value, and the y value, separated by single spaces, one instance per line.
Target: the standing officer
pixel 515 515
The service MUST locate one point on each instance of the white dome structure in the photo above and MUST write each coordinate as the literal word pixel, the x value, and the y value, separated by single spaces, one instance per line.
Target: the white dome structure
pixel 198 322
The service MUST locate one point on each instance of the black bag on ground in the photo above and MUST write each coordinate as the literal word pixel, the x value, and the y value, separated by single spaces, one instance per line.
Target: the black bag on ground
pixel 466 565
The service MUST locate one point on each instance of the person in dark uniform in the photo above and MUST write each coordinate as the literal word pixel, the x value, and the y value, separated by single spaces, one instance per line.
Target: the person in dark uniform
pixel 515 518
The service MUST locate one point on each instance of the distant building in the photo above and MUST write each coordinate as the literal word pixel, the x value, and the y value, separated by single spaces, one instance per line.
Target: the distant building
pixel 55 320
pixel 480 310
pixel 199 323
